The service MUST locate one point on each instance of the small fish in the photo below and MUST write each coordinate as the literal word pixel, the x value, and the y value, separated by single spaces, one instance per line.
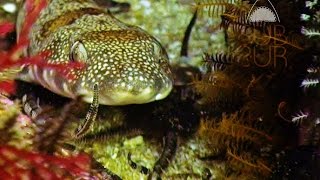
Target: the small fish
pixel 129 65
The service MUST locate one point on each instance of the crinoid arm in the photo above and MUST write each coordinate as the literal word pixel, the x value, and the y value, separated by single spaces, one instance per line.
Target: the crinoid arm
pixel 91 115
pixel 134 165
pixel 168 152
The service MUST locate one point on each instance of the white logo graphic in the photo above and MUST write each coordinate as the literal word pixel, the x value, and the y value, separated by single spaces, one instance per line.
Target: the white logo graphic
pixel 263 13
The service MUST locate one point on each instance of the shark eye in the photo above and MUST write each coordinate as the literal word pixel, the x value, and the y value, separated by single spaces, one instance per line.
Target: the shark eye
pixel 78 52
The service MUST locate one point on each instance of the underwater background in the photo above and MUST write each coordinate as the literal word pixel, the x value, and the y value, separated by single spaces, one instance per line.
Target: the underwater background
pixel 245 102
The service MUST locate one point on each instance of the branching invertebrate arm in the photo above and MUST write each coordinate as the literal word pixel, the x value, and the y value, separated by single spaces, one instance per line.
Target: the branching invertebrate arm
pixel 91 114
pixel 169 149
pixel 187 34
